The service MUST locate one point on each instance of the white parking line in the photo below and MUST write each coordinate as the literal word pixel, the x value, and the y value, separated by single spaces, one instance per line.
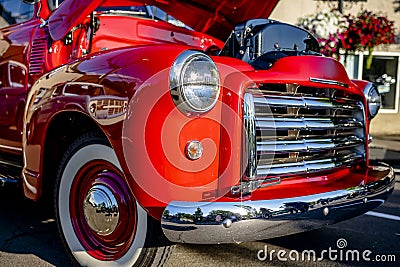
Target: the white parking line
pixel 383 215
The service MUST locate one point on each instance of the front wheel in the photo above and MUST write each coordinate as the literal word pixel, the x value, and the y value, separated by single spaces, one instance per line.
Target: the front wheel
pixel 98 217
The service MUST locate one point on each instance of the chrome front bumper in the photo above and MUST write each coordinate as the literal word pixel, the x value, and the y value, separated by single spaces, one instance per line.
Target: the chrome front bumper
pixel 229 222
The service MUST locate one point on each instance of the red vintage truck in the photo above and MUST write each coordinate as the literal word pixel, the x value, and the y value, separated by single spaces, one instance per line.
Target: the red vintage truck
pixel 148 130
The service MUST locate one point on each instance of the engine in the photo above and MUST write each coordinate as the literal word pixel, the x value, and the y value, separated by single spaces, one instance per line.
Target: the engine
pixel 261 42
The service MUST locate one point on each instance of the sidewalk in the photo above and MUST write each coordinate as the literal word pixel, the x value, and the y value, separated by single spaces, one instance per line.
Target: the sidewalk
pixel 385 148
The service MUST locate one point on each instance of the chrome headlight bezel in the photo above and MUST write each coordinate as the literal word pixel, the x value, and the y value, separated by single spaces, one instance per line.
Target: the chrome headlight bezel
pixel 200 96
pixel 373 98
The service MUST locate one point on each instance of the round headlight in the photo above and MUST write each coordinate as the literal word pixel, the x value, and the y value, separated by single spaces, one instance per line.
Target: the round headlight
pixel 373 99
pixel 194 82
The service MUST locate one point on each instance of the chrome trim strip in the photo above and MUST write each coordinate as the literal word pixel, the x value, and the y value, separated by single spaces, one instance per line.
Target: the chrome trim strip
pixel 331 82
pixel 229 222
pixel 11 148
pixel 250 128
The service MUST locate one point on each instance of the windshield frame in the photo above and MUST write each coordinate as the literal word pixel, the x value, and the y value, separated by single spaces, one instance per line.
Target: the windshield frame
pixel 53 4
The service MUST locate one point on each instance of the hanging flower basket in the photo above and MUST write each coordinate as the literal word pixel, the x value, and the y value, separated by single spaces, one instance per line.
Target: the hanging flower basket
pixel 349 33
pixel 366 31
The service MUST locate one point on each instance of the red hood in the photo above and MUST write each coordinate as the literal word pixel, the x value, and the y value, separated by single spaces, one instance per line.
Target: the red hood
pixel 217 17
pixel 213 17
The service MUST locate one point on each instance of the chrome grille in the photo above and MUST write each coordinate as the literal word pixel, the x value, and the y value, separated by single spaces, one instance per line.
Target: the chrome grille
pixel 300 129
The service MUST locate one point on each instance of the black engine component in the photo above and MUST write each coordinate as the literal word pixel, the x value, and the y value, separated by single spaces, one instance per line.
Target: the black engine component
pixel 261 42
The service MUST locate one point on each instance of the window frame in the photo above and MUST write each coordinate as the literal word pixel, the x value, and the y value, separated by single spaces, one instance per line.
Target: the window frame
pixel 358 70
pixel 397 89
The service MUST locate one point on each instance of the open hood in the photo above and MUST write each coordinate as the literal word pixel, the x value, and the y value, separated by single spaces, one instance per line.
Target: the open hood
pixel 214 17
pixel 217 17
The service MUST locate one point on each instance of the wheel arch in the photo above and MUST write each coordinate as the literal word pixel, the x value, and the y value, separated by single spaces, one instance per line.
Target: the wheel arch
pixel 63 129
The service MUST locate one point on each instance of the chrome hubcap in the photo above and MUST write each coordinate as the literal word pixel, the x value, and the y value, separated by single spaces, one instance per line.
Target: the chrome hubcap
pixel 101 210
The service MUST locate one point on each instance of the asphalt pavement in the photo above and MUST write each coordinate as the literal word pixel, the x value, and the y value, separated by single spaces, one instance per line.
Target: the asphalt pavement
pixel 28 235
pixel 385 148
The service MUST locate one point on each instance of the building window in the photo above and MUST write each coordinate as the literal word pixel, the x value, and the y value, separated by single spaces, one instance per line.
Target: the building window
pixel 384 72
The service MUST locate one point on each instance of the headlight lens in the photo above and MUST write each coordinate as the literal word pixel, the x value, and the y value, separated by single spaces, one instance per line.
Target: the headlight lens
pixel 373 99
pixel 194 82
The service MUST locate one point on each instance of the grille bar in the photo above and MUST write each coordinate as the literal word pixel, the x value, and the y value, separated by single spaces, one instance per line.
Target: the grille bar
pixel 306 123
pixel 306 102
pixel 307 166
pixel 309 146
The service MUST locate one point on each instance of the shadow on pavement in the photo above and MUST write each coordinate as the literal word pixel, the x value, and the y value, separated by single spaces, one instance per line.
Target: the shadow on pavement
pixel 28 228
